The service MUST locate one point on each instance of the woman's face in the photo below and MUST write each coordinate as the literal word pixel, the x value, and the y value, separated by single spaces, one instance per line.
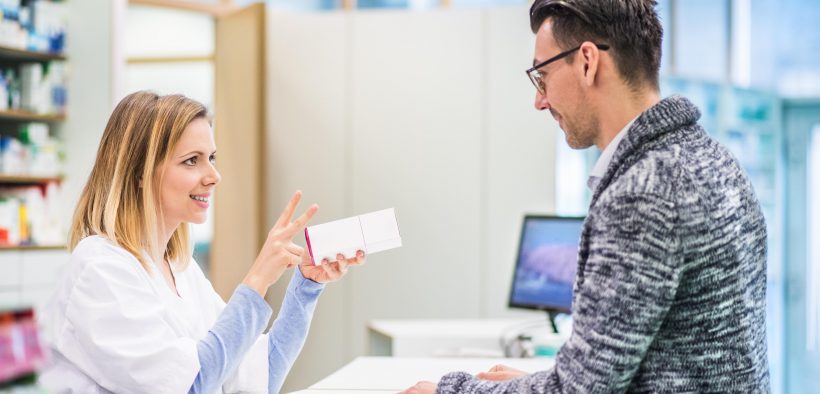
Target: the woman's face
pixel 189 176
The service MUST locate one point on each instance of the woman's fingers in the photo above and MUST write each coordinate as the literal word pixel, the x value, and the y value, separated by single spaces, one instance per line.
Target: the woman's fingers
pixel 301 221
pixel 295 249
pixel 326 266
pixel 284 218
pixel 358 260
pixel 341 263
pixel 288 228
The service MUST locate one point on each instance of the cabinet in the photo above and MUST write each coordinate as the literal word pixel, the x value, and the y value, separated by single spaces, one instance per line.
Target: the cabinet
pixel 32 232
pixel 32 108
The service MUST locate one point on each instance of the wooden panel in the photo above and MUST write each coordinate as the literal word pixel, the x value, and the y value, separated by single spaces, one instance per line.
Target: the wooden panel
pixel 238 211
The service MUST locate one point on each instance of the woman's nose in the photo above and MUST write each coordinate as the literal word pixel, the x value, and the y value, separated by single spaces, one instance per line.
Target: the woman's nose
pixel 213 177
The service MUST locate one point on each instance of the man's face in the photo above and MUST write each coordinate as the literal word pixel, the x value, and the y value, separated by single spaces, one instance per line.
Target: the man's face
pixel 564 95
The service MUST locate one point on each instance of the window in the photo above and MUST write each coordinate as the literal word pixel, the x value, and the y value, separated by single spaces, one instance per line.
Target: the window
pixel 813 268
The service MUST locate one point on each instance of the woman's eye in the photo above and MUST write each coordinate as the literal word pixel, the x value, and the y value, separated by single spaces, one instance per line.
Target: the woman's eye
pixel 190 162
pixel 212 159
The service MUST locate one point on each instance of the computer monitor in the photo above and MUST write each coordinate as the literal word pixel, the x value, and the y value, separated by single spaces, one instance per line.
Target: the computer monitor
pixel 546 263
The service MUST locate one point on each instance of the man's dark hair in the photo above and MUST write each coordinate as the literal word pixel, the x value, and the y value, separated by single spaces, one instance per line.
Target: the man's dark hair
pixel 630 27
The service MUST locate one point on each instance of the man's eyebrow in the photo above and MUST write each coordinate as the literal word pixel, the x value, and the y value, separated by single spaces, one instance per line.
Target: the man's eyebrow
pixel 535 61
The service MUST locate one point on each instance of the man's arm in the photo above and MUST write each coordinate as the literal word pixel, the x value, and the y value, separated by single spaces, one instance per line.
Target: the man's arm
pixel 622 295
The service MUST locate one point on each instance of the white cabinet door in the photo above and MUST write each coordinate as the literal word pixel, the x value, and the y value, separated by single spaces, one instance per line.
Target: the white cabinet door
pixel 10 269
pixel 41 268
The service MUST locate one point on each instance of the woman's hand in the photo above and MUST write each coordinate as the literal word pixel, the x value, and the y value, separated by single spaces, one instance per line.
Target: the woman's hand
pixel 501 372
pixel 279 252
pixel 327 271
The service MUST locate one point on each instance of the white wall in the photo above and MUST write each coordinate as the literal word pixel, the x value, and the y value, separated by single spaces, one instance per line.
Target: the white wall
pixel 430 113
pixel 520 151
pixel 90 50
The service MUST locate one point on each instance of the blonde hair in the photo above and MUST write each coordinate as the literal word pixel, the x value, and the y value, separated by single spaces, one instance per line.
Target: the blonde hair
pixel 119 200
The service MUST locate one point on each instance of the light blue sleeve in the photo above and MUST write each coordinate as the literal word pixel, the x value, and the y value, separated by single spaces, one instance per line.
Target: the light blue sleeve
pixel 239 325
pixel 288 333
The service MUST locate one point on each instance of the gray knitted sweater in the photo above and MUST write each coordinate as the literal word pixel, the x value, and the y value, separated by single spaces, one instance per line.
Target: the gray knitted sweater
pixel 671 284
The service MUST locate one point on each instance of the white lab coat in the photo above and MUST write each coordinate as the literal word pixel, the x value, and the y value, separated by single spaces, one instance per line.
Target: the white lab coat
pixel 113 327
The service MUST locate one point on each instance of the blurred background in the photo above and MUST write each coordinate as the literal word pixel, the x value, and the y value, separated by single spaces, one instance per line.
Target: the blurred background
pixel 421 105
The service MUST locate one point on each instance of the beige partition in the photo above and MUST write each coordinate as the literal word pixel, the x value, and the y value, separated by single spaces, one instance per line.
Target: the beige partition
pixel 416 146
pixel 428 112
pixel 307 149
pixel 239 210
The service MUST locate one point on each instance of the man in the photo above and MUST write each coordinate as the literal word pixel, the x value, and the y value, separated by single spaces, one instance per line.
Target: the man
pixel 670 290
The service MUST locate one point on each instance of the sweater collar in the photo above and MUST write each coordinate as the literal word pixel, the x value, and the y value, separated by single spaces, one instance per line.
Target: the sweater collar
pixel 664 117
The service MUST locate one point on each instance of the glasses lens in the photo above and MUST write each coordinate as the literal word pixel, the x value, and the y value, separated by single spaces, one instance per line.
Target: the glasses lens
pixel 535 78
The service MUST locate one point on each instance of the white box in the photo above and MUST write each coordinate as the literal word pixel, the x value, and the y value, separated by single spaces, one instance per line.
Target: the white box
pixel 371 233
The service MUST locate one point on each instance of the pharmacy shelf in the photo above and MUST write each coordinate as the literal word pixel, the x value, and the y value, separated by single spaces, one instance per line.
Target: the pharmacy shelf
pixel 15 54
pixel 27 180
pixel 32 247
pixel 30 116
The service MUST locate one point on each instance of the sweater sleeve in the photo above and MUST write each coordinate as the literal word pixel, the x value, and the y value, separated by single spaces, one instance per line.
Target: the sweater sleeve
pixel 237 328
pixel 288 333
pixel 625 286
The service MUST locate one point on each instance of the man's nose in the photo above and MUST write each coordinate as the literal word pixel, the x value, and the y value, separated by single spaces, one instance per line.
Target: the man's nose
pixel 541 102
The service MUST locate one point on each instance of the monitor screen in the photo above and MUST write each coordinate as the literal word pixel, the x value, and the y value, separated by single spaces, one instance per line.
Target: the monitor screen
pixel 546 264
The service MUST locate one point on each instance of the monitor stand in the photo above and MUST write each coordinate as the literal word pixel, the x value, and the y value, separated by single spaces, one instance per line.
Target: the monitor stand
pixel 551 317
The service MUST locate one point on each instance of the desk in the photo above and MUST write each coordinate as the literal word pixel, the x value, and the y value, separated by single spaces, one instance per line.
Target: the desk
pixel 390 374
pixel 443 338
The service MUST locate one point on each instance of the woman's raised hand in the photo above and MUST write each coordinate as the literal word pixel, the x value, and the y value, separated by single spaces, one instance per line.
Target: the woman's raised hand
pixel 279 252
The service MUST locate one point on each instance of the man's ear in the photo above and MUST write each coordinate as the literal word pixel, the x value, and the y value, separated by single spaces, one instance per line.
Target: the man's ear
pixel 591 57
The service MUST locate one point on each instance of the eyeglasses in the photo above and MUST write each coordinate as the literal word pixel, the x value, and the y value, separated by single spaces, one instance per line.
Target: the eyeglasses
pixel 535 75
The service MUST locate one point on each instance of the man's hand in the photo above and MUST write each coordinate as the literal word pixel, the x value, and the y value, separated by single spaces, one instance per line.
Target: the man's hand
pixel 501 372
pixel 423 387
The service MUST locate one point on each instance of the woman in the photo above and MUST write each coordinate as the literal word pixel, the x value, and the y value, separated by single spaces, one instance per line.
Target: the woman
pixel 133 313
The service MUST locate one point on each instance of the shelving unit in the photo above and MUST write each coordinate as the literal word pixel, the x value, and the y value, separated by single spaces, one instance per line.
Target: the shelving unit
pixel 32 168
pixel 22 55
pixel 23 116
pixel 27 180
pixel 12 119
pixel 32 247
